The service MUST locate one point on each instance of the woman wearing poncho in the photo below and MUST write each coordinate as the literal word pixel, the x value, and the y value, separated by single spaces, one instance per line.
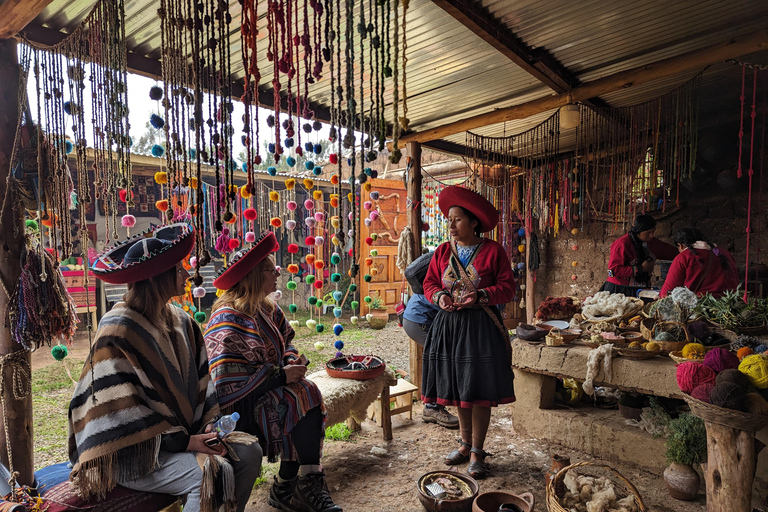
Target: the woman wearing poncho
pixel 257 372
pixel 145 404
pixel 467 352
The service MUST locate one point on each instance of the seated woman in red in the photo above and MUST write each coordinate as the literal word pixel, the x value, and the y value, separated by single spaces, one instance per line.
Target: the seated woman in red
pixel 701 267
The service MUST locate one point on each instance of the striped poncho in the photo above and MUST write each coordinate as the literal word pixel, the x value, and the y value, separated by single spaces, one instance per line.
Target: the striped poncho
pixel 246 356
pixel 144 383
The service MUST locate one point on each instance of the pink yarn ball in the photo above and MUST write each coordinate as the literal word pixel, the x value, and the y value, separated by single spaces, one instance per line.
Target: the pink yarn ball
pixel 309 204
pixel 691 375
pixel 310 222
pixel 374 215
pixel 198 292
pixel 319 240
pixel 367 222
pixel 277 295
pixel 290 224
pixel 319 216
pixel 349 215
pixel 250 237
pixel 291 205
pixel 128 221
pixel 350 233
pixel 720 359
pixel 367 205
pixel 193 261
pixel 702 392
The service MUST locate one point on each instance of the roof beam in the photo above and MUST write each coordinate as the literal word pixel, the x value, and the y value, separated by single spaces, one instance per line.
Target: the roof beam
pixel 16 14
pixel 697 59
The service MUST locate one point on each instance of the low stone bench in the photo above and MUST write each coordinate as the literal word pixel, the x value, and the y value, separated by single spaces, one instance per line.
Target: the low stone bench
pixel 348 399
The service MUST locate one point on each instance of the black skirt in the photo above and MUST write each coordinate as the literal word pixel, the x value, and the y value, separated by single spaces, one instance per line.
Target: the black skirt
pixel 466 361
pixel 629 291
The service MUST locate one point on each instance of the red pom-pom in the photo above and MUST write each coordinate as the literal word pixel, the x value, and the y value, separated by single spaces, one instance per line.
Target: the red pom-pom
pixel 234 243
pixel 334 158
pixel 369 241
pixel 319 264
pixel 335 179
pixel 162 205
pixel 250 213
pixel 293 248
pixel 350 252
pixel 318 285
pixel 310 240
pixel 124 195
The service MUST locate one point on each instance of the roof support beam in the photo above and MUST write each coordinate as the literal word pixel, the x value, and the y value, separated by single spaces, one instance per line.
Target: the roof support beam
pixel 538 63
pixel 697 59
pixel 16 14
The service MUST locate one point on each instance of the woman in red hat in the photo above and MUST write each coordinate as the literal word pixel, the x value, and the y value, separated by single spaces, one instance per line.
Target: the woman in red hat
pixel 142 414
pixel 467 355
pixel 258 373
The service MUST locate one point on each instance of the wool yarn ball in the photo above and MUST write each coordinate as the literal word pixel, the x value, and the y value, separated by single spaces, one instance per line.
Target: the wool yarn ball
pixel 59 352
pixel 732 376
pixel 312 300
pixel 312 324
pixel 338 329
pixel 293 308
pixel 702 392
pixel 340 345
pixel 691 375
pixel 694 351
pixel 319 327
pixel 720 359
pixel 729 396
pixel 756 404
pixel 755 367
pixel 291 285
pixel 354 304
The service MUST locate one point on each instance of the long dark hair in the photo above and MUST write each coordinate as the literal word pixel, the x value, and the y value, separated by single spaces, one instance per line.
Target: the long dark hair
pixel 689 236
pixel 147 296
pixel 472 217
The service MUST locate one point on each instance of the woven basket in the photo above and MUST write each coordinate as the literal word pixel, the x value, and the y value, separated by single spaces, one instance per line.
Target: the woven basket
pixel 646 328
pixel 677 357
pixel 554 338
pixel 726 417
pixel 671 346
pixel 556 487
pixel 636 353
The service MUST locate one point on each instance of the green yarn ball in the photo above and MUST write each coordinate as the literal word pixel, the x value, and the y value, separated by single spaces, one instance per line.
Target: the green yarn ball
pixel 368 299
pixel 335 259
pixel 367 278
pixel 312 300
pixel 309 279
pixel 59 352
pixel 335 277
pixel 293 308
pixel 32 224
pixel 353 288
pixel 354 304
pixel 319 303
pixel 200 317
pixel 319 327
pixel 291 285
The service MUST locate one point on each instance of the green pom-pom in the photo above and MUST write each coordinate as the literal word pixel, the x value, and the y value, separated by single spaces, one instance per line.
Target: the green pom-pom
pixel 319 303
pixel 291 285
pixel 309 279
pixel 335 259
pixel 312 301
pixel 200 317
pixel 319 327
pixel 293 308
pixel 335 277
pixel 354 304
pixel 368 299
pixel 31 224
pixel 353 288
pixel 59 352
pixel 367 278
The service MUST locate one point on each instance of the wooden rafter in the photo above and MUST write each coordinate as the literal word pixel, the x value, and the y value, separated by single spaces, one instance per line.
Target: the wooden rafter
pixel 16 14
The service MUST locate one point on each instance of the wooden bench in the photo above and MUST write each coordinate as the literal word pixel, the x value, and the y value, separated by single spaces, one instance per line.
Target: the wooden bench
pixel 400 399
pixel 348 399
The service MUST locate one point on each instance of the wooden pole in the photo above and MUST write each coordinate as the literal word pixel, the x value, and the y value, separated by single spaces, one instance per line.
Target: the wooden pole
pixel 18 413
pixel 730 468
pixel 530 284
pixel 415 351
pixel 697 59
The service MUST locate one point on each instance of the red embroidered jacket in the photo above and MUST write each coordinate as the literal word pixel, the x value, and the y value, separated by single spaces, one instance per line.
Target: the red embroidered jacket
pixel 621 268
pixel 489 269
pixel 687 269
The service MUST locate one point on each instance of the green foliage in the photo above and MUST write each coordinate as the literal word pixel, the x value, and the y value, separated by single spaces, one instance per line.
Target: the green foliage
pixel 54 377
pixel 377 302
pixel 687 441
pixel 338 432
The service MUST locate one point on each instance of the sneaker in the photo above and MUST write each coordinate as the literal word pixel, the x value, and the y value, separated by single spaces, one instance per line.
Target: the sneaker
pixel 281 493
pixel 312 492
pixel 440 416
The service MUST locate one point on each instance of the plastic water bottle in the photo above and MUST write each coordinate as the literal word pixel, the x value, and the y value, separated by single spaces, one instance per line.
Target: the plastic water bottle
pixel 226 424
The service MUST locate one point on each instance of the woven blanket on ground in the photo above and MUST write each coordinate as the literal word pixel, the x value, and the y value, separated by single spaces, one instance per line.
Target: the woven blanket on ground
pixel 146 382
pixel 348 397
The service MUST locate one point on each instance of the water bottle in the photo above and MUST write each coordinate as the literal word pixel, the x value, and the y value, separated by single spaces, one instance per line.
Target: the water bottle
pixel 226 424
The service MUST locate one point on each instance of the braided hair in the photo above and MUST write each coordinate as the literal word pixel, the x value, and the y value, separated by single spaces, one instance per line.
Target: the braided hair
pixel 689 236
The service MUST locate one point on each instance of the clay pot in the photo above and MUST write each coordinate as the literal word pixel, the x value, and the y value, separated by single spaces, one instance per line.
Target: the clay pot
pixel 378 318
pixel 558 462
pixel 436 505
pixel 491 501
pixel 682 482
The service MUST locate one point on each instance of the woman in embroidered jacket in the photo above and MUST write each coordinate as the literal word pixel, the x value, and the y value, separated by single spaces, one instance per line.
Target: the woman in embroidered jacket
pixel 257 372
pixel 142 414
pixel 467 353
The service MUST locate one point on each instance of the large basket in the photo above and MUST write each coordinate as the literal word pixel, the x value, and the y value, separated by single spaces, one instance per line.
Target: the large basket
pixel 672 346
pixel 355 367
pixel 556 487
pixel 646 328
pixel 636 353
pixel 726 417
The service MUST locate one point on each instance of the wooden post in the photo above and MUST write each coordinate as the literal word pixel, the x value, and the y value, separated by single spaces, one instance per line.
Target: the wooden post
pixel 730 469
pixel 386 418
pixel 530 284
pixel 18 413
pixel 415 351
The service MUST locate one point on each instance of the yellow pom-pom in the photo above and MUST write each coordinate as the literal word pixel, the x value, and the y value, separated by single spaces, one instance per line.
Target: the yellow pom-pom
pixel 274 196
pixel 694 351
pixel 308 183
pixel 575 231
pixel 332 196
pixel 521 248
pixel 367 186
pixel 193 182
pixel 574 263
pixel 161 177
pixel 335 240
pixel 219 293
pixel 755 367
pixel 349 196
pixel 317 195
pixel 290 183
pixel 245 193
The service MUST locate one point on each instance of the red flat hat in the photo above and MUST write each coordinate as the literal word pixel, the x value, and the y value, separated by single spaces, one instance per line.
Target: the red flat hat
pixel 473 202
pixel 145 255
pixel 245 261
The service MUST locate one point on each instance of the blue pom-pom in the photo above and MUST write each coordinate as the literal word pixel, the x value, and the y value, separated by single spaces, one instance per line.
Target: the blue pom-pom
pixel 158 151
pixel 192 154
pixel 272 171
pixel 317 148
pixel 156 121
pixel 338 329
pixel 290 161
pixel 317 171
pixel 339 345
pixel 337 312
pixel 270 121
pixel 245 166
pixel 367 171
pixel 271 147
pixel 289 142
pixel 349 161
pixel 309 165
pixel 308 146
pixel 69 147
pixel 68 107
pixel 521 232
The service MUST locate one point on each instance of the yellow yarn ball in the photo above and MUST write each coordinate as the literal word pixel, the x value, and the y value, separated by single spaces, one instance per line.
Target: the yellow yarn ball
pixel 161 177
pixel 317 194
pixel 755 367
pixel 575 231
pixel 244 192
pixel 521 248
pixel 308 183
pixel 694 351
pixel 290 183
pixel 349 196
pixel 652 346
pixel 274 196
pixel 574 263
pixel 367 186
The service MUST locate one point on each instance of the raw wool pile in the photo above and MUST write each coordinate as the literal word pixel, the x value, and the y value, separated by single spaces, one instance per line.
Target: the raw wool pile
pixel 604 305
pixel 602 353
pixel 594 494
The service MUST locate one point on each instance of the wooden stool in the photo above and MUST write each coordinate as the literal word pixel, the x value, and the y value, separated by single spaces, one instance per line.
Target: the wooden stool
pixel 401 396
pixel 84 310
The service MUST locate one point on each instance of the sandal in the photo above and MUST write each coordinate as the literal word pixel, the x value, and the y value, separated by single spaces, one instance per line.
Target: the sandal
pixel 479 469
pixel 456 457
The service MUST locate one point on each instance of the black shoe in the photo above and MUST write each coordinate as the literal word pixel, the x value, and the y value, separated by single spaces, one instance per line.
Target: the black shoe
pixel 281 493
pixel 312 492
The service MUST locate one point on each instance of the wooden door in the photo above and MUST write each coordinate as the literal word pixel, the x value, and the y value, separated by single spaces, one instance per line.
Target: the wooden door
pixel 393 217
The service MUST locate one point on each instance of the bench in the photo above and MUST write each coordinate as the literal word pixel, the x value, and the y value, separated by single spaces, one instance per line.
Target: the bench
pixel 348 399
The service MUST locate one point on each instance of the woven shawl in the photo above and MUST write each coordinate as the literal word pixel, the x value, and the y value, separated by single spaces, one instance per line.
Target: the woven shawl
pixel 145 383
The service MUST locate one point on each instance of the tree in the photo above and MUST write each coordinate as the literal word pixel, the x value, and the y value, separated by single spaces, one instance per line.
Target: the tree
pixel 149 138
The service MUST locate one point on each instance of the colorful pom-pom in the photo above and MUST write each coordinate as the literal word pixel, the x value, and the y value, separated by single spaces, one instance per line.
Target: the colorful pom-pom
pixel 310 259
pixel 291 285
pixel 310 240
pixel 291 205
pixel 312 300
pixel 59 352
pixel 250 237
pixel 274 195
pixel 339 345
pixel 353 288
pixel 161 178
pixel 335 259
pixel 319 240
pixel 368 299
pixel 309 165
pixel 128 221
pixel 293 248
pixel 335 240
pixel 310 222
pixel 335 179
pixel 367 205
pixel 341 354
pixel 308 183
pixel 309 279
pixel 198 292
pixel 318 285
pixel 335 277
pixel 369 241
pixel 338 329
pixel 156 121
pixel 374 215
pixel 367 186
pixel 156 93
pixel 290 224
pixel 290 183
pixel 250 213
pixel 367 278
pixel 234 243
pixel 200 317
pixel 157 151
pixel 309 204
pixel 293 307
pixel 293 268
pixel 354 304
pixel 317 195
pixel 375 195
pixel 319 327
pixel 290 161
pixel 162 205
pixel 275 222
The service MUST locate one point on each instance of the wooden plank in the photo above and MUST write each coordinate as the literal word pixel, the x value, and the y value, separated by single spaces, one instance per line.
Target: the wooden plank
pixel 16 14
pixel 386 419
pixel 697 59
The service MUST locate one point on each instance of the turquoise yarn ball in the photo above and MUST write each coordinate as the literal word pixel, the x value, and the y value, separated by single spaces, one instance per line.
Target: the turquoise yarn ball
pixel 59 352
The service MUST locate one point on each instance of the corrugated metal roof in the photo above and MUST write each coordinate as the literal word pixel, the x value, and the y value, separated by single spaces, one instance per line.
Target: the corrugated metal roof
pixel 453 74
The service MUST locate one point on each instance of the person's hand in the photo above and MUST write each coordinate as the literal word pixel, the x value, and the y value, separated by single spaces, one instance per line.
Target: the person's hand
pixel 302 359
pixel 469 299
pixel 197 444
pixel 293 372
pixel 446 303
pixel 648 266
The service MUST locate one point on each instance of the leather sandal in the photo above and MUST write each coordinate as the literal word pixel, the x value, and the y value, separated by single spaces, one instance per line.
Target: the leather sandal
pixel 456 457
pixel 479 469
